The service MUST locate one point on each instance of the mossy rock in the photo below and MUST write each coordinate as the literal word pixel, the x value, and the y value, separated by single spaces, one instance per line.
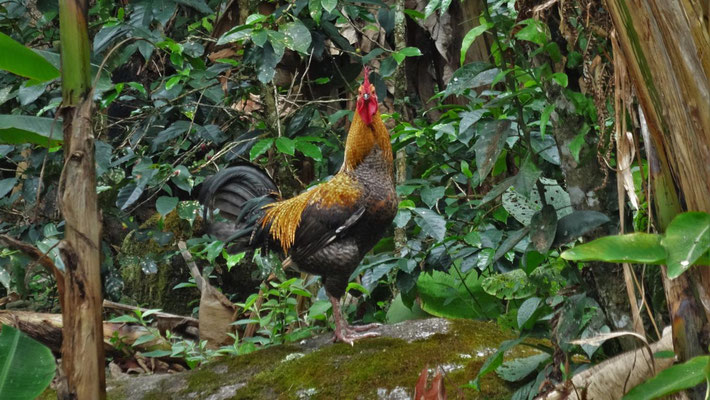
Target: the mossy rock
pixel 381 368
pixel 150 284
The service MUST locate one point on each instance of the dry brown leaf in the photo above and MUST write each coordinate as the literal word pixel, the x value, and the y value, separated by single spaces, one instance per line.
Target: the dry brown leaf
pixel 435 392
pixel 223 53
pixel 216 311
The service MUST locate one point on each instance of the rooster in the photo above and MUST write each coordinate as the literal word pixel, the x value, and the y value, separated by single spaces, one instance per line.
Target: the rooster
pixel 326 230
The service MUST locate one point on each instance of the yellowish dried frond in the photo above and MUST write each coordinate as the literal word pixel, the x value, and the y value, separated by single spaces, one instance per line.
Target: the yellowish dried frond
pixel 285 216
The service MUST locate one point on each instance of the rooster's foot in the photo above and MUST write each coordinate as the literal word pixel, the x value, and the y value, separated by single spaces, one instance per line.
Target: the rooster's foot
pixel 350 337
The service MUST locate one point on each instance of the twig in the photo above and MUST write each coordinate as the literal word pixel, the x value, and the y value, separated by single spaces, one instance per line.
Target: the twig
pixel 125 307
pixel 194 271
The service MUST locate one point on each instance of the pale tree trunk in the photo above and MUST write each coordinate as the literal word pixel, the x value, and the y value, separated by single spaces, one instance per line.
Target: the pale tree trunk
pixel 82 345
pixel 400 93
pixel 666 43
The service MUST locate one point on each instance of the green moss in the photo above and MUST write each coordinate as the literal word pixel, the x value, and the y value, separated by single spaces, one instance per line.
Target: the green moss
pixel 350 372
pixel 48 394
pixel 115 394
pixel 340 371
pixel 156 290
pixel 207 380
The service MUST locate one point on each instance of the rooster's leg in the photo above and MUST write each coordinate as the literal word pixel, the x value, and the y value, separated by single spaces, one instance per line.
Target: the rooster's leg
pixel 344 332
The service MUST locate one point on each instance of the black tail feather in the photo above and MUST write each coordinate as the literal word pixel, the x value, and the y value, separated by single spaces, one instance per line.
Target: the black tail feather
pixel 239 193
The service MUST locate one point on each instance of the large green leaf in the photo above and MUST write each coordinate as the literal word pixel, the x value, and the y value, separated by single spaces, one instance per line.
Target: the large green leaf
pixel 522 207
pixel 26 365
pixel 543 227
pixel 513 284
pixel 577 224
pixel 686 239
pixel 445 295
pixel 298 37
pixel 399 312
pixel 431 223
pixel 20 129
pixel 518 368
pixel 642 248
pixel 671 380
pixel 491 138
pixel 22 61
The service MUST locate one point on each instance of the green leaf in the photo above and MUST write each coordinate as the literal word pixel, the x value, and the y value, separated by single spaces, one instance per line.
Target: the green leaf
pixel 20 129
pixel 468 118
pixel 329 5
pixel 22 61
pixel 641 248
pixel 489 144
pixel 527 177
pixel 526 310
pixel 472 75
pixel 372 54
pixel 431 7
pixel 560 78
pixel 128 195
pixel 144 339
pixel 577 224
pixel 445 295
pixel 687 238
pixel 519 368
pixel 545 117
pixel 432 224
pixel 513 284
pixel 157 353
pixel 232 259
pixel 471 37
pixel 239 33
pixel 493 361
pixel 267 63
pixel 172 82
pixel 6 186
pixel 674 379
pixel 534 31
pixel 431 196
pixel 388 66
pixel 315 10
pixel 543 227
pixel 414 14
pixel 298 37
pixel 513 239
pixel 260 148
pixel 400 55
pixel 358 287
pixel 165 204
pixel 575 146
pixel 402 218
pixel 26 365
pixel 286 145
pixel 309 150
pixel 188 210
pixel 124 318
pixel 399 312
pixel 497 190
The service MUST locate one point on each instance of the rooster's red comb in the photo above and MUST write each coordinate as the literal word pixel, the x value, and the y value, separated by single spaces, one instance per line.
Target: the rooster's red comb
pixel 366 74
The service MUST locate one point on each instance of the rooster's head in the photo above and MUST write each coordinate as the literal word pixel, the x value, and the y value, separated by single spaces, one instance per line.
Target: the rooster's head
pixel 366 99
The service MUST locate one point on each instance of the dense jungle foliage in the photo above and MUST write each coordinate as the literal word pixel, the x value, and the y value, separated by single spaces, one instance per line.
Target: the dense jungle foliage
pixel 501 114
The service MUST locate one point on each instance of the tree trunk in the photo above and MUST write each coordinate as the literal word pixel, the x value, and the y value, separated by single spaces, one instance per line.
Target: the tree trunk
pixel 82 346
pixel 665 43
